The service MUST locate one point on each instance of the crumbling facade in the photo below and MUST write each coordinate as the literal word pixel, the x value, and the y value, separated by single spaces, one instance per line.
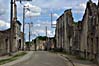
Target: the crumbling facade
pixel 89 44
pixel 64 31
pixel 5 39
pixel 82 38
pixel 12 38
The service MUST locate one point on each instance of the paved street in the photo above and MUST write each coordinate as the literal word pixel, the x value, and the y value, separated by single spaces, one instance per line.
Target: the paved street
pixel 42 58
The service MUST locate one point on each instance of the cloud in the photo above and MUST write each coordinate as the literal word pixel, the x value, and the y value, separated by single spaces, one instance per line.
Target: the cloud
pixel 82 5
pixel 55 15
pixel 79 8
pixel 54 22
pixel 4 24
pixel 34 10
pixel 37 25
pixel 33 0
pixel 42 32
pixel 38 31
pixel 50 3
pixel 45 7
pixel 30 14
pixel 49 33
pixel 95 1
pixel 39 28
pixel 2 9
pixel 41 23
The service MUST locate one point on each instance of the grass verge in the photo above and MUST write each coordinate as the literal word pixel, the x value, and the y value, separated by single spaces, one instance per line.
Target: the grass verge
pixel 3 61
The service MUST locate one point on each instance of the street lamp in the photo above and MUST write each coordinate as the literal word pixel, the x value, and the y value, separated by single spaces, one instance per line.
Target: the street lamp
pixel 23 24
pixel 53 26
pixel 23 16
pixel 24 8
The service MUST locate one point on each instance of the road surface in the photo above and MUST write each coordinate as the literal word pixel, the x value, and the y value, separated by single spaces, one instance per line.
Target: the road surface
pixel 43 58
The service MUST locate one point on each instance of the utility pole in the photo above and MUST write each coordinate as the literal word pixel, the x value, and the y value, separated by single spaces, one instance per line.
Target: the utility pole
pixel 23 18
pixel 11 17
pixel 24 7
pixel 23 25
pixel 46 47
pixel 46 33
pixel 46 30
pixel 29 34
pixel 35 45
pixel 98 2
pixel 51 19
pixel 52 25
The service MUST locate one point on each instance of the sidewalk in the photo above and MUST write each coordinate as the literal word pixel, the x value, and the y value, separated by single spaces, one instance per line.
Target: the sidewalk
pixel 7 56
pixel 77 62
pixel 26 57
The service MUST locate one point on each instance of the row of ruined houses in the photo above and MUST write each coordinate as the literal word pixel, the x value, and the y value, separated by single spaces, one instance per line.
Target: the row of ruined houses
pixel 5 39
pixel 11 39
pixel 80 38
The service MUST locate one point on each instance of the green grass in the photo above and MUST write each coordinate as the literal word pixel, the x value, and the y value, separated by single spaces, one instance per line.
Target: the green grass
pixel 20 54
pixel 3 61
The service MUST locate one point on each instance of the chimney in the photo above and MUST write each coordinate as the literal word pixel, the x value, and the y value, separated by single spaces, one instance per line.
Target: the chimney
pixel 14 11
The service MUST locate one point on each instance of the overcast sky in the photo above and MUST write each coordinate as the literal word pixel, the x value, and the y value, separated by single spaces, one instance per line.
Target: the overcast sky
pixel 40 14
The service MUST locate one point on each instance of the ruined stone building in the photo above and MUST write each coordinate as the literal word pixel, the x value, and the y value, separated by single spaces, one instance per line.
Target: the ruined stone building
pixel 82 38
pixel 77 29
pixel 89 44
pixel 64 30
pixel 11 42
pixel 5 39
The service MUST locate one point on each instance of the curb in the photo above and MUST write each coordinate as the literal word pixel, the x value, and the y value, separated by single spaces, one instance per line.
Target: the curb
pixel 67 59
pixel 26 57
pixel 73 63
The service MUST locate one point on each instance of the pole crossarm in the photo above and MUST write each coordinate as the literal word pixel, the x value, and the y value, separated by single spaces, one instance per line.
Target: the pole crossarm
pixel 23 0
pixel 52 25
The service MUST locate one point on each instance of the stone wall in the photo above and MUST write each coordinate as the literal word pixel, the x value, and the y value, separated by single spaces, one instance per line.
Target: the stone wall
pixel 64 31
pixel 82 38
pixel 89 38
pixel 5 39
pixel 4 42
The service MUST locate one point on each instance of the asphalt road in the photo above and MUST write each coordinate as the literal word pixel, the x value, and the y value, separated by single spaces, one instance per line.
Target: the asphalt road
pixel 42 58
